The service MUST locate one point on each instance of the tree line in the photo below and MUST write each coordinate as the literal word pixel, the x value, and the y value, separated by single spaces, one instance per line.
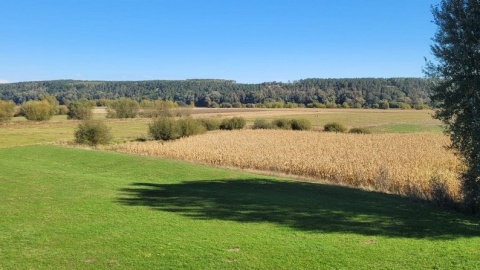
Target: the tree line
pixel 359 92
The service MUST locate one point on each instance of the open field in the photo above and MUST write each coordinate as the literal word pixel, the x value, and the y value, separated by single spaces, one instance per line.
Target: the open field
pixel 81 209
pixel 398 163
pixel 22 132
pixel 61 130
pixel 380 121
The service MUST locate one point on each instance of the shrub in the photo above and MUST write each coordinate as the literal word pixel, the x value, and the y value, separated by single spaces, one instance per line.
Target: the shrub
pixel 360 130
pixel 291 105
pixel 404 106
pixel 357 105
pixel 214 105
pixel 233 123
pixel 281 123
pixel 7 110
pixel 226 105
pixel 165 128
pixel 62 110
pixel 164 108
pixel 37 110
pixel 123 108
pixel 420 106
pixel 262 124
pixel 54 106
pixel 210 124
pixel 300 124
pixel 92 133
pixel 331 105
pixel 190 126
pixel 384 105
pixel 81 110
pixel 334 127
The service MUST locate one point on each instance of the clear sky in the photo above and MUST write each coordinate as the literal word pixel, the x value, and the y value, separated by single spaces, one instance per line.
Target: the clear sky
pixel 249 41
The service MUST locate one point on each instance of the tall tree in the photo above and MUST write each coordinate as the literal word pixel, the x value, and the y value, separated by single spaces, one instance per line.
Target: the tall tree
pixel 456 71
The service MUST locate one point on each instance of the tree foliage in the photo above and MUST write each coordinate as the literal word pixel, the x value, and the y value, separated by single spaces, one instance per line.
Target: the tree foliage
pixel 41 110
pixel 80 110
pixel 7 110
pixel 169 128
pixel 92 132
pixel 456 88
pixel 334 127
pixel 363 92
pixel 233 123
pixel 158 108
pixel 54 104
pixel 37 110
pixel 123 108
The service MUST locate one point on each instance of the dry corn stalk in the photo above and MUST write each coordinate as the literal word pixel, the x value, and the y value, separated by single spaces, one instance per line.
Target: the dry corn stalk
pixel 398 163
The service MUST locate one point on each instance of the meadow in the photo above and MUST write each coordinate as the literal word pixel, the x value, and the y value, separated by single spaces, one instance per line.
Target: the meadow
pixel 81 209
pixel 58 130
pixel 87 208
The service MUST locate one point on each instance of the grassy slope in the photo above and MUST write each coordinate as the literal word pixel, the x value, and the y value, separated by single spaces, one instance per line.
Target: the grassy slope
pixel 72 208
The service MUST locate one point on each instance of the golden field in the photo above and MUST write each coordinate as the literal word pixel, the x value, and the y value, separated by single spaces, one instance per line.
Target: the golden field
pixel 396 163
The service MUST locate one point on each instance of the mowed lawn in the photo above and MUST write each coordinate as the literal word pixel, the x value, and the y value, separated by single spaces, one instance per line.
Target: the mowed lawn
pixel 64 208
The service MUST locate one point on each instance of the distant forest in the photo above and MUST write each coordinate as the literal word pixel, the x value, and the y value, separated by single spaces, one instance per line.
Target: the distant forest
pixel 362 92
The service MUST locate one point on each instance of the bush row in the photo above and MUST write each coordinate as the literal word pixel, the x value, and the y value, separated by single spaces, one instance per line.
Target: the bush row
pixel 166 128
pixel 294 124
pixel 340 128
pixel 163 128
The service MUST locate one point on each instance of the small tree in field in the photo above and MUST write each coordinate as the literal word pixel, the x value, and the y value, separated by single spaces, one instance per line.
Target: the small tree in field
pixel 37 110
pixel 81 110
pixel 165 128
pixel 54 105
pixel 233 123
pixel 7 110
pixel 92 132
pixel 123 108
pixel 334 127
pixel 456 77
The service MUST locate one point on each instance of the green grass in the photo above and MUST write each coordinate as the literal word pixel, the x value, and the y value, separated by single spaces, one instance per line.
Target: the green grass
pixel 59 129
pixel 21 132
pixel 67 208
pixel 409 128
pixel 379 121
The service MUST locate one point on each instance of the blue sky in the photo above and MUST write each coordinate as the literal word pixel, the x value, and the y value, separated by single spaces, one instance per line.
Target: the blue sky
pixel 244 40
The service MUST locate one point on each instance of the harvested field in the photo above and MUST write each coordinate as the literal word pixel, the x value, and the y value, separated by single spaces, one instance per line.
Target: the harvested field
pixel 396 163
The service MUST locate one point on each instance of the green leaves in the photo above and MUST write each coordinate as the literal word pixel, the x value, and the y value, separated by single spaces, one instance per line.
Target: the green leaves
pixel 456 49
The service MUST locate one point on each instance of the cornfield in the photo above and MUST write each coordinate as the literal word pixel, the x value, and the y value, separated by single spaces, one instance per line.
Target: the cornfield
pixel 396 163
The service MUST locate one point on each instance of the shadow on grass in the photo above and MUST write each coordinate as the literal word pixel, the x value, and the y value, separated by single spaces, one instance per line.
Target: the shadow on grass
pixel 302 206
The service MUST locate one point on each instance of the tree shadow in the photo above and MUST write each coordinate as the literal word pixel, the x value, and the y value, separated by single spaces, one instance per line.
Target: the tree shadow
pixel 303 206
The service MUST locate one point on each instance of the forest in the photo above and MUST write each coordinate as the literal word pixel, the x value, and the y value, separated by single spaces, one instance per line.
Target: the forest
pixel 354 92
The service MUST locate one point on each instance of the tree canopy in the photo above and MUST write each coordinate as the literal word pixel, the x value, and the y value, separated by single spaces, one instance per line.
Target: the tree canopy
pixel 363 92
pixel 456 49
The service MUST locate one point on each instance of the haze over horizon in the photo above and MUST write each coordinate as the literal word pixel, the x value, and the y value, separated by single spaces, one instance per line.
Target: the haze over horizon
pixel 248 41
